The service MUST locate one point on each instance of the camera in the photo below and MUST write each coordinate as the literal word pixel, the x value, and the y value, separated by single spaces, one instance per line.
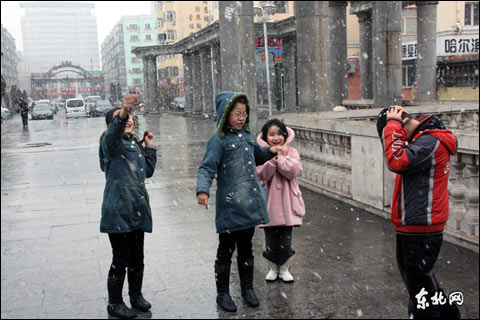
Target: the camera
pixel 404 113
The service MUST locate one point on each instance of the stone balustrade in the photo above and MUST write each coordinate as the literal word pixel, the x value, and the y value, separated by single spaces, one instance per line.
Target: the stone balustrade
pixel 344 159
pixel 462 116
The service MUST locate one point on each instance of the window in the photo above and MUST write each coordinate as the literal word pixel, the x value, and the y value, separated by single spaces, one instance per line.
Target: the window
pixel 160 23
pixel 169 16
pixel 205 18
pixel 133 27
pixel 199 26
pixel 197 9
pixel 192 26
pixel 147 26
pixel 205 9
pixel 137 81
pixel 136 70
pixel 190 17
pixel 148 37
pixel 198 17
pixel 135 60
pixel 471 14
pixel 281 6
pixel 408 75
pixel 162 36
pixel 133 38
pixel 409 21
pixel 170 34
pixel 158 5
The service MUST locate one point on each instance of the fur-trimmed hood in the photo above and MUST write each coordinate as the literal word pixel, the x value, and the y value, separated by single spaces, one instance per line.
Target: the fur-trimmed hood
pixel 224 102
pixel 291 137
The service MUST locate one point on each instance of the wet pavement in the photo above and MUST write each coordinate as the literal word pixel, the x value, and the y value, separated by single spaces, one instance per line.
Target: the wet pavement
pixel 54 260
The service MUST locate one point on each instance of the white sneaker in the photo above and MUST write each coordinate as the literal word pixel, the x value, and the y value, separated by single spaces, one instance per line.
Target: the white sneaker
pixel 283 271
pixel 272 272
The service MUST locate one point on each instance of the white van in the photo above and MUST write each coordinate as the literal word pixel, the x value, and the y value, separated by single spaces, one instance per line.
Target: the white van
pixel 75 108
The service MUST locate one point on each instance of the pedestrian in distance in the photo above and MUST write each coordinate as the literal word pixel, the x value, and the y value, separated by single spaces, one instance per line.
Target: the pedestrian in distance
pixel 419 152
pixel 24 112
pixel 285 205
pixel 126 213
pixel 231 157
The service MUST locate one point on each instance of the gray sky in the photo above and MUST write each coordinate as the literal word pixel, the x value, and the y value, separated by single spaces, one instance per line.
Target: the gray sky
pixel 107 12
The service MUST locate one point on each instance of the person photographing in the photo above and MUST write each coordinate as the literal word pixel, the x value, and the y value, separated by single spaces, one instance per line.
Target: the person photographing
pixel 419 152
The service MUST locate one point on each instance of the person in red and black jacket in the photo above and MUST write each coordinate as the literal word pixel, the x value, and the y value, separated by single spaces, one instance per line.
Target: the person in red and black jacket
pixel 419 152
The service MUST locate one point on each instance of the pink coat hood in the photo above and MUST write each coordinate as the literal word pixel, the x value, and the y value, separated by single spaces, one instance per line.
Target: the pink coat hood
pixel 284 200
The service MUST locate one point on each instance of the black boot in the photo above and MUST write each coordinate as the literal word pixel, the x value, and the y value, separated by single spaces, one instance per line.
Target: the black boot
pixel 222 279
pixel 135 279
pixel 245 270
pixel 116 307
pixel 120 310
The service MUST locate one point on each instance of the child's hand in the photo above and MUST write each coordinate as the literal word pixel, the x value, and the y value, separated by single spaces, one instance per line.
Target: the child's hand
pixel 148 137
pixel 129 102
pixel 203 199
pixel 279 149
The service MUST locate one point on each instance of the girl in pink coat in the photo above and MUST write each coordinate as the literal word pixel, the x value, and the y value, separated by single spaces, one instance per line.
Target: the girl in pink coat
pixel 284 200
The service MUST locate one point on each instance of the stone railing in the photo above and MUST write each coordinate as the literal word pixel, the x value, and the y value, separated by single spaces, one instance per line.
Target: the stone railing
pixel 463 190
pixel 344 159
pixel 462 116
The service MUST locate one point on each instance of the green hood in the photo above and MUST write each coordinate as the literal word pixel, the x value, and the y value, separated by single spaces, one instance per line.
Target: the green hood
pixel 224 102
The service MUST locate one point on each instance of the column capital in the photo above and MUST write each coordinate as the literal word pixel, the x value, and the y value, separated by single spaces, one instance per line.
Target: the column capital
pixel 337 3
pixel 364 16
pixel 426 3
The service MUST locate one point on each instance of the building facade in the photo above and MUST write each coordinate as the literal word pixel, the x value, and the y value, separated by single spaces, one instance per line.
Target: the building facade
pixel 9 59
pixel 57 31
pixel 456 47
pixel 119 65
pixel 175 21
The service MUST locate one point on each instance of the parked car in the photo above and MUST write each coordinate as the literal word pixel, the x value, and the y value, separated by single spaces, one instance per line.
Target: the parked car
pixel 46 101
pixel 75 108
pixel 42 111
pixel 6 113
pixel 102 107
pixel 178 104
pixel 91 105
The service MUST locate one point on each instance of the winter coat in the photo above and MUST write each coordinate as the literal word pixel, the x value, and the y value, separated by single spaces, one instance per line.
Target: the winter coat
pixel 24 109
pixel 231 157
pixel 284 200
pixel 420 199
pixel 126 204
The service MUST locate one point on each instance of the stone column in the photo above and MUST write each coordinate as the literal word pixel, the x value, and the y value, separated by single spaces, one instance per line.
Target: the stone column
pixel 187 78
pixel 312 56
pixel 338 52
pixel 207 86
pixel 197 84
pixel 152 73
pixel 217 65
pixel 290 74
pixel 427 49
pixel 387 53
pixel 365 21
pixel 146 87
pixel 237 43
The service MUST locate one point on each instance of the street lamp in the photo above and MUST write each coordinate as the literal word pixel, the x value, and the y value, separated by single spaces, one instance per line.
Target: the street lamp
pixel 264 11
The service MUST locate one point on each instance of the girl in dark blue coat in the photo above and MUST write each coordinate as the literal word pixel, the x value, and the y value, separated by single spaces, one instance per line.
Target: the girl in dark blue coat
pixel 126 214
pixel 232 156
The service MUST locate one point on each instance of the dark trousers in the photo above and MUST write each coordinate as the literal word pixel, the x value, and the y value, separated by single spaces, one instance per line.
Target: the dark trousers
pixel 416 257
pixel 278 241
pixel 241 239
pixel 127 249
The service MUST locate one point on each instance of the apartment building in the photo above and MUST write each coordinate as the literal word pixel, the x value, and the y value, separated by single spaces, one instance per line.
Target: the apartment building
pixel 175 21
pixel 119 65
